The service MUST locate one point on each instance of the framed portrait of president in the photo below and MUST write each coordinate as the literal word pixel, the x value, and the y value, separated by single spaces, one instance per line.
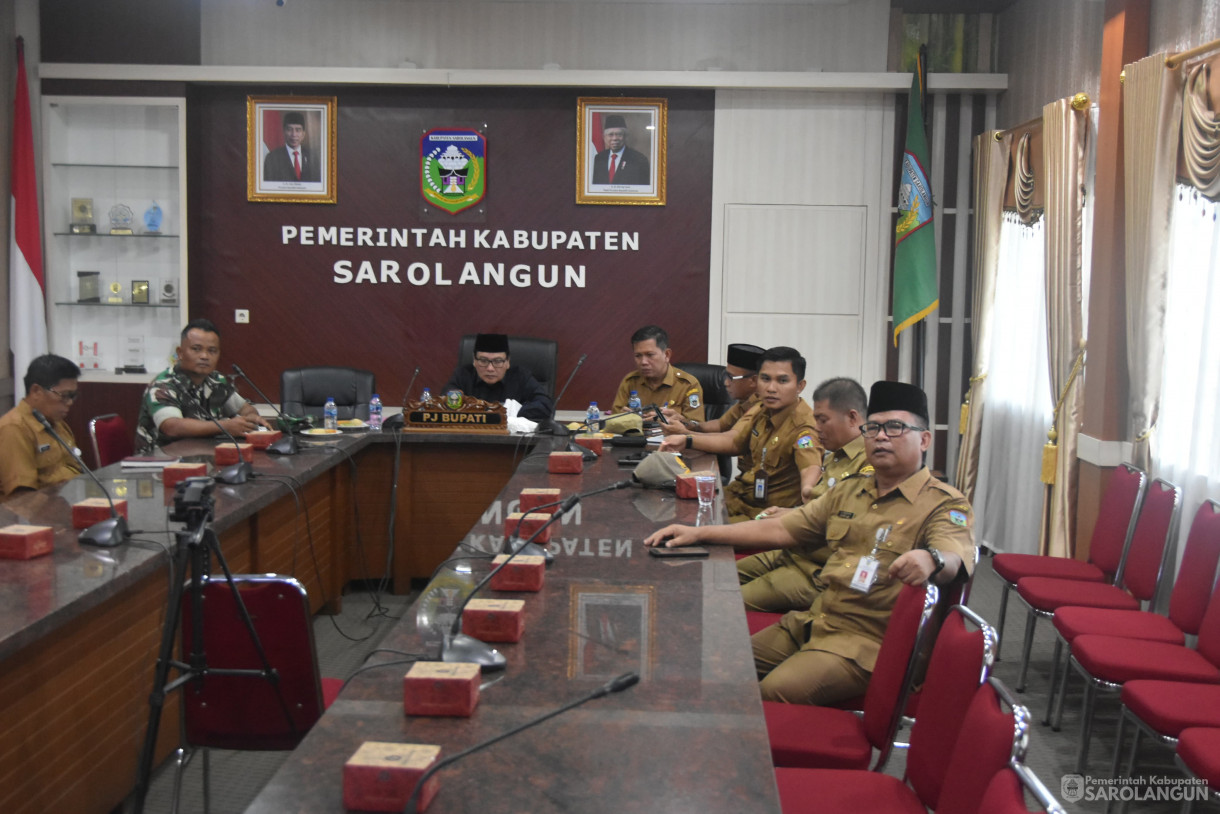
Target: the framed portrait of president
pixel 291 149
pixel 620 151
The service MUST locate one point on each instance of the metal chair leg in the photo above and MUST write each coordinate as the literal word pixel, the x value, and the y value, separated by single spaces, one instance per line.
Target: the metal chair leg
pixel 1031 619
pixel 1063 687
pixel 1086 726
pixel 1118 749
pixel 182 758
pixel 1135 747
pixel 1050 694
pixel 999 629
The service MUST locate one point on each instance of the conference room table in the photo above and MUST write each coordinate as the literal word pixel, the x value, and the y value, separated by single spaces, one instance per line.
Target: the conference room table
pixel 690 737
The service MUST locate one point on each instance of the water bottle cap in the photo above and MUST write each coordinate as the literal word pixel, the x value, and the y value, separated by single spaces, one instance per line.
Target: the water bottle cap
pixel 376 396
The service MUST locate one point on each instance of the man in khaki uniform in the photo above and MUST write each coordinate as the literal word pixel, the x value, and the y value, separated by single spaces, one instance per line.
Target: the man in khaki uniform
pixel 785 459
pixel 655 380
pixel 740 382
pixel 29 457
pixel 897 526
pixel 786 579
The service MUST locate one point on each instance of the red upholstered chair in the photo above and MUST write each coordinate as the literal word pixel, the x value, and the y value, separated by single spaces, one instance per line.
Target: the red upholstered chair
pixel 825 737
pixel 988 739
pixel 1164 710
pixel 1187 603
pixel 761 620
pixel 1006 792
pixel 111 441
pixel 1115 523
pixel 1199 756
pixel 1109 662
pixel 1138 579
pixel 249 712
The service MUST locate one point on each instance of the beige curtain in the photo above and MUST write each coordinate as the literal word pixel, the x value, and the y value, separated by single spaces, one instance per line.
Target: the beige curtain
pixel 1152 115
pixel 991 152
pixel 1200 133
pixel 1064 145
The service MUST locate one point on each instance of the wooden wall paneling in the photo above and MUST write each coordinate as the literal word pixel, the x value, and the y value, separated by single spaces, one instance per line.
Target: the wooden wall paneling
pixel 365 543
pixel 238 543
pixel 103 665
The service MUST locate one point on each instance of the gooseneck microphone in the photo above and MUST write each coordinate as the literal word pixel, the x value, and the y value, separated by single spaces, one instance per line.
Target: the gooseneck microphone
pixel 104 533
pixel 396 422
pixel 239 472
pixel 286 445
pixel 618 684
pixel 556 427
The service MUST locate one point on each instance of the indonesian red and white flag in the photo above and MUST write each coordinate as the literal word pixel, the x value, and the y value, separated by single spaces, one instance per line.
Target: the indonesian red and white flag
pixel 27 286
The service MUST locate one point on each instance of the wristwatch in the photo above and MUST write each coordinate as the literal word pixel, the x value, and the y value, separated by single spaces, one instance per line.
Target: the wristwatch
pixel 937 560
pixel 690 442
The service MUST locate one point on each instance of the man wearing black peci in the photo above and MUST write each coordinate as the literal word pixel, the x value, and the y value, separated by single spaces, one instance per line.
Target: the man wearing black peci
pixel 492 377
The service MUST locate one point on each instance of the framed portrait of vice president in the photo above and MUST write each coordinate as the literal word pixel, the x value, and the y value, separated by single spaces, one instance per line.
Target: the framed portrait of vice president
pixel 291 151
pixel 620 151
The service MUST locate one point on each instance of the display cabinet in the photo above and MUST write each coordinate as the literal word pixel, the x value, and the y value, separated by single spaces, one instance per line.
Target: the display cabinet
pixel 114 218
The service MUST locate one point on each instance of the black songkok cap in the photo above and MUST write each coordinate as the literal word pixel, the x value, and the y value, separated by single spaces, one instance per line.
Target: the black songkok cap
pixel 886 396
pixel 614 120
pixel 745 356
pixel 294 117
pixel 491 343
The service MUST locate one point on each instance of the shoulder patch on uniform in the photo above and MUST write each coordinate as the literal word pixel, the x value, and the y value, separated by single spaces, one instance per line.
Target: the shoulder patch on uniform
pixel 957 517
pixel 805 442
pixel 693 401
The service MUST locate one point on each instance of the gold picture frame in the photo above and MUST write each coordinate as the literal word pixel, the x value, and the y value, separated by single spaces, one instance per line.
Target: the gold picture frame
pixel 636 175
pixel 611 629
pixel 273 173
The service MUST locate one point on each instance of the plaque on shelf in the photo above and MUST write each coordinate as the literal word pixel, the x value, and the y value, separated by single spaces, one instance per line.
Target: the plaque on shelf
pixel 116 290
pixel 139 292
pixel 169 294
pixel 121 218
pixel 133 354
pixel 88 286
pixel 152 219
pixel 82 217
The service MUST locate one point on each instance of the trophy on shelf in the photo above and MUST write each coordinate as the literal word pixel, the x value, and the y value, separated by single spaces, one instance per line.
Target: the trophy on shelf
pixel 82 217
pixel 139 292
pixel 88 286
pixel 152 219
pixel 169 294
pixel 121 218
pixel 116 291
pixel 133 355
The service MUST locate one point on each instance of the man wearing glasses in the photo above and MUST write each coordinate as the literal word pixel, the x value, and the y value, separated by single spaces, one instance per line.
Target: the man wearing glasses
pixel 897 525
pixel 29 457
pixel 778 439
pixel 740 382
pixel 493 378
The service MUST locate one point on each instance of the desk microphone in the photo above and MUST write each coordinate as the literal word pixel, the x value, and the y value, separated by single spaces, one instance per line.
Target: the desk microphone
pixel 286 445
pixel 556 427
pixel 622 682
pixel 396 422
pixel 533 549
pixel 239 472
pixel 104 533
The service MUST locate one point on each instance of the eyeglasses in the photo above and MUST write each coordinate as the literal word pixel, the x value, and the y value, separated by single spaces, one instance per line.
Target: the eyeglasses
pixel 67 397
pixel 893 429
pixel 729 377
pixel 483 361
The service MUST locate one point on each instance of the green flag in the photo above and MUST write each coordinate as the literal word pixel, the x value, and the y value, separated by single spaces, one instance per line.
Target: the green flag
pixel 915 294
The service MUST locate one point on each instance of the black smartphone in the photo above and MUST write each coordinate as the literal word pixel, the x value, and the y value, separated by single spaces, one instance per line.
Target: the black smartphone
pixel 684 551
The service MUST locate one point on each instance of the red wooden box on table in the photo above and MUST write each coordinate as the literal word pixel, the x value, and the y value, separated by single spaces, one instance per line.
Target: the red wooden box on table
pixel 534 498
pixel 526 525
pixel 590 442
pixel 174 474
pixel 524 573
pixel 437 688
pixel 21 542
pixel 685 486
pixel 380 776
pixel 94 510
pixel 263 439
pixel 565 463
pixel 494 620
pixel 228 454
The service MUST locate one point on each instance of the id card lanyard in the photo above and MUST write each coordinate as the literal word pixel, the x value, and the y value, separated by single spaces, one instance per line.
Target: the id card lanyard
pixel 866 571
pixel 760 478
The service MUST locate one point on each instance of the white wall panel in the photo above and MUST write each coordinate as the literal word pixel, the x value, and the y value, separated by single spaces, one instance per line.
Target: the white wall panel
pixel 754 36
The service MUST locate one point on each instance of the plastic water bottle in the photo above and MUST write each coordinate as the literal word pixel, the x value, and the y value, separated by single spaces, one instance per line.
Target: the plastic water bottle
pixel 593 415
pixel 375 413
pixel 330 415
pixel 633 403
pixel 426 398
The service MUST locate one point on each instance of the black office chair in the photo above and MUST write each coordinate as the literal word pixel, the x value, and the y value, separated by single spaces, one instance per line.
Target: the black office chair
pixel 716 400
pixel 304 391
pixel 539 356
